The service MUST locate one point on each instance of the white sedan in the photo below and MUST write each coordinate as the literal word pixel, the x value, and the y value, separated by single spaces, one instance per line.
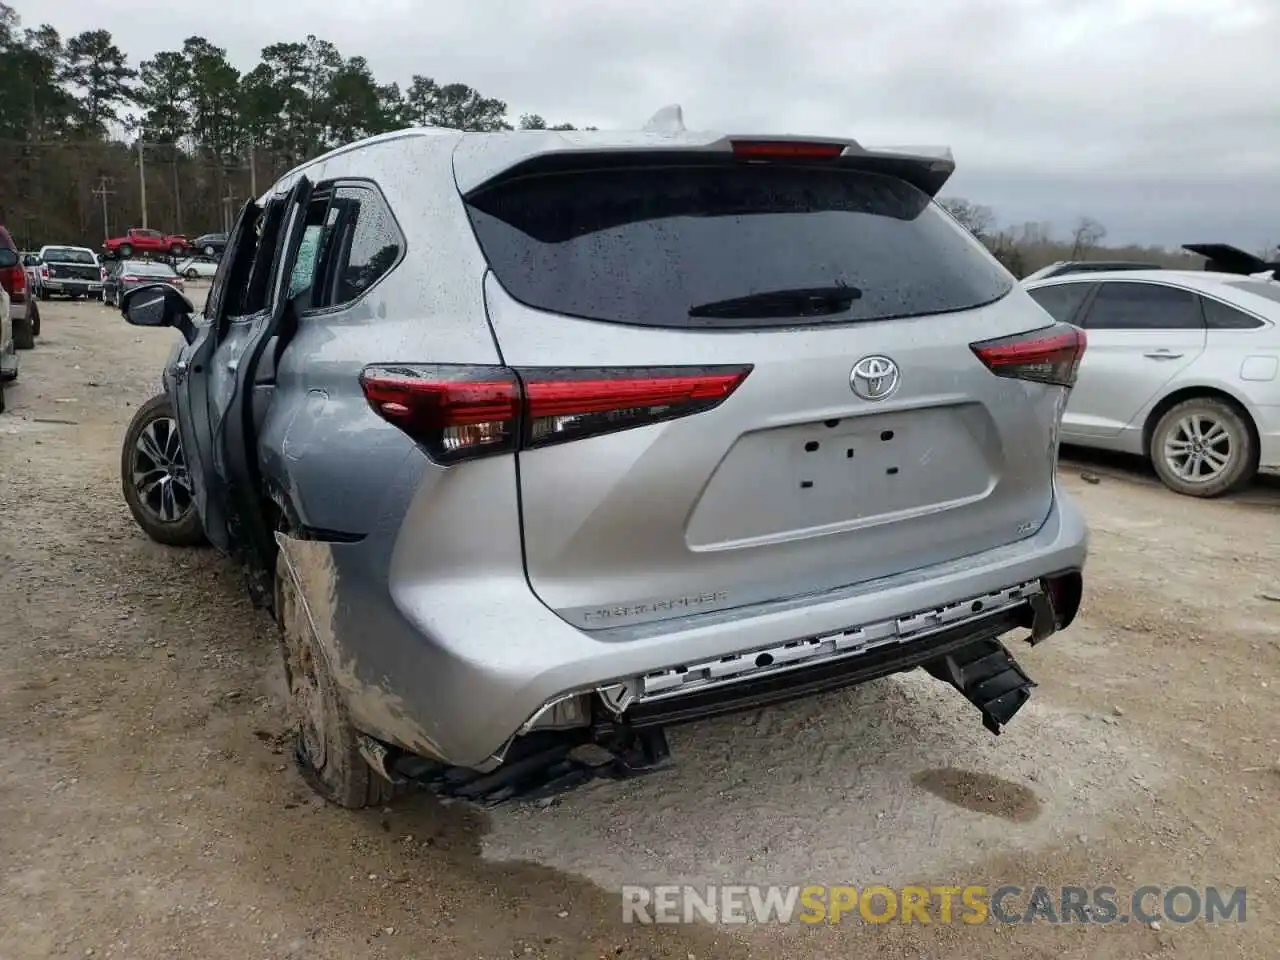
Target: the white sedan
pixel 1182 367
pixel 195 268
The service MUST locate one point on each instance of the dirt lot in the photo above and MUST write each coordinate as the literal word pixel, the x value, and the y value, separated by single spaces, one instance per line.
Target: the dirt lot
pixel 146 808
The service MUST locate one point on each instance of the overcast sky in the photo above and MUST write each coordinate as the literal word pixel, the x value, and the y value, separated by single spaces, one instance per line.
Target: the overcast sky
pixel 1160 118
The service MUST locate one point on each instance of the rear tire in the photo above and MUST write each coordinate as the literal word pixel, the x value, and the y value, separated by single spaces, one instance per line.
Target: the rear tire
pixel 125 252
pixel 326 747
pixel 208 250
pixel 33 314
pixel 1204 447
pixel 150 458
pixel 23 337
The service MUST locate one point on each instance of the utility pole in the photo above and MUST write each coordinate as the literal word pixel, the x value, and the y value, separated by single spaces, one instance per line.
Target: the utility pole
pixel 253 174
pixel 228 204
pixel 142 179
pixel 102 192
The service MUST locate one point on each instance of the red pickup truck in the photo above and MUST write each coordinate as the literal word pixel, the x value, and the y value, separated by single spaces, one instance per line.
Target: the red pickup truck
pixel 137 240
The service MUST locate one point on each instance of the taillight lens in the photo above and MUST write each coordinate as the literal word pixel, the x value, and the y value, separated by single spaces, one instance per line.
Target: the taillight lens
pixel 1048 355
pixel 129 279
pixel 461 412
pixel 102 274
pixel 786 149
pixel 13 279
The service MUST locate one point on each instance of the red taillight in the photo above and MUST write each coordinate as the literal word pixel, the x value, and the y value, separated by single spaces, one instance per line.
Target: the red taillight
pixel 129 279
pixel 460 412
pixel 14 280
pixel 102 274
pixel 1048 355
pixel 44 272
pixel 782 149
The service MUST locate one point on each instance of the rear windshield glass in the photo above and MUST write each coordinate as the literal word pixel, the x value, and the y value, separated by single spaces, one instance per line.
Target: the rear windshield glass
pixel 67 255
pixel 149 269
pixel 645 246
pixel 1259 288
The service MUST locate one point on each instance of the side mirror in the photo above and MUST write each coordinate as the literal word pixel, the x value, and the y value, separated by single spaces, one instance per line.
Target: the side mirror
pixel 159 305
pixel 8 258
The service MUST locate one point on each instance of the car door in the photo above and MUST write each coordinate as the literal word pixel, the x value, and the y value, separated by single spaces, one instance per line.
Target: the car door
pixel 191 378
pixel 1141 335
pixel 233 374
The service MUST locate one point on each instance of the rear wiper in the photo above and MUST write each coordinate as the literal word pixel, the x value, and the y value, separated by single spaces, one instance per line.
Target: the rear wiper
pixel 797 302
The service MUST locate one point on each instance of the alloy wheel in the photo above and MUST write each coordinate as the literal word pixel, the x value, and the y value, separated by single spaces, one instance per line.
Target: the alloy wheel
pixel 1199 448
pixel 160 471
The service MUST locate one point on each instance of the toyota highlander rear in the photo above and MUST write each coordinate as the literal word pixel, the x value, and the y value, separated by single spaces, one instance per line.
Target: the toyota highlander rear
pixel 778 424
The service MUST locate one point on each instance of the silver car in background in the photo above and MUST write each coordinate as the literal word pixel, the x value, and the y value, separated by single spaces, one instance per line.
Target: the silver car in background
pixel 540 442
pixel 1183 367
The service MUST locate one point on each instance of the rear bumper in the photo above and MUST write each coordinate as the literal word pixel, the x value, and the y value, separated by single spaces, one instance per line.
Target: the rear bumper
pixel 1267 420
pixel 62 285
pixel 18 308
pixel 455 668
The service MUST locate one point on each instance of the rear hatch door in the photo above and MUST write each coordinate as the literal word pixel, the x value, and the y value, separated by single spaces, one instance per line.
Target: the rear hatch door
pixel 866 441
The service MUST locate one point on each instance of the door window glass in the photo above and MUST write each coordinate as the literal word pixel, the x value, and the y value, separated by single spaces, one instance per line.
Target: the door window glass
pixel 1143 306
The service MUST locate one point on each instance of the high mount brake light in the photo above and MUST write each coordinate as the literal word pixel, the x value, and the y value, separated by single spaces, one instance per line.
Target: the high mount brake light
pixel 786 149
pixel 1048 355
pixel 461 412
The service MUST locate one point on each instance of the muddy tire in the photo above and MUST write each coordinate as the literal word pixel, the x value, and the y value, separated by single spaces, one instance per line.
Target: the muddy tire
pixel 325 743
pixel 23 337
pixel 1204 447
pixel 153 477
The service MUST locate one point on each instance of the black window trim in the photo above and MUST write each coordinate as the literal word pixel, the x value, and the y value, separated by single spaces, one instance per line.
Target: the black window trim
pixel 325 256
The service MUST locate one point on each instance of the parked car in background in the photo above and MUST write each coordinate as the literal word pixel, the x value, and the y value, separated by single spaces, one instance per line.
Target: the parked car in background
pixel 138 240
pixel 1183 367
pixel 72 272
pixel 194 268
pixel 704 434
pixel 23 310
pixel 124 275
pixel 8 349
pixel 1063 267
pixel 210 244
pixel 31 264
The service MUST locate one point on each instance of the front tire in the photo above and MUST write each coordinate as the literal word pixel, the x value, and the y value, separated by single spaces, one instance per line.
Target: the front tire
pixel 154 477
pixel 326 746
pixel 125 252
pixel 1204 447
pixel 208 250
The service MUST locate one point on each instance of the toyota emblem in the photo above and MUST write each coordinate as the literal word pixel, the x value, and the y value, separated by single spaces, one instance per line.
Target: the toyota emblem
pixel 875 378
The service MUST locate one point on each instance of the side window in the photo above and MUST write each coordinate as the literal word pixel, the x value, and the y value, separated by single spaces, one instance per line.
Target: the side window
pixel 1143 306
pixel 227 292
pixel 363 244
pixel 1219 316
pixel 1062 300
pixel 320 217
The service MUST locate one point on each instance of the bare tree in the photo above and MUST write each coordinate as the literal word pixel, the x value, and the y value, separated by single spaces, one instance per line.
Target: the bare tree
pixel 1088 233
pixel 974 217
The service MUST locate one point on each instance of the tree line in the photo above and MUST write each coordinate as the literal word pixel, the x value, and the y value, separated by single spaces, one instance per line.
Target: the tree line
pixel 81 126
pixel 1025 248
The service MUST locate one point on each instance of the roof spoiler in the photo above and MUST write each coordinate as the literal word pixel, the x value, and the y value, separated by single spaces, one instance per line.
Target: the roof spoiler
pixel 927 169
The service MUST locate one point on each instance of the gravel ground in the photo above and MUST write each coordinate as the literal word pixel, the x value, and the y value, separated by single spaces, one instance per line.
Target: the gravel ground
pixel 147 809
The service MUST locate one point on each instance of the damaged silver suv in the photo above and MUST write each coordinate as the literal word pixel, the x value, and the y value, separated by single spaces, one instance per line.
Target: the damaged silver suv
pixel 540 442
